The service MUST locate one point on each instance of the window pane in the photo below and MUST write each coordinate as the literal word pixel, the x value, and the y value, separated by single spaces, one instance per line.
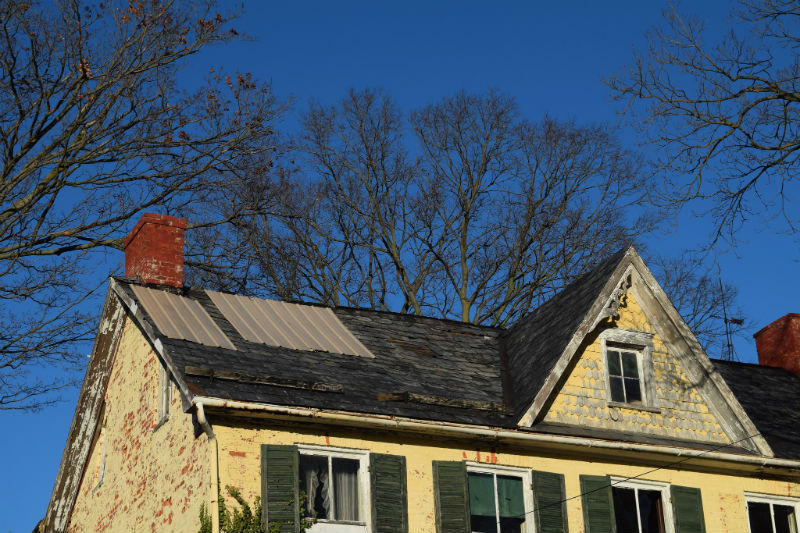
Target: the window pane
pixel 785 519
pixel 509 497
pixel 617 394
pixel 481 495
pixel 629 365
pixel 314 484
pixel 345 488
pixel 511 525
pixel 759 516
pixel 632 390
pixel 650 511
pixel 614 368
pixel 625 510
pixel 483 524
pixel 511 504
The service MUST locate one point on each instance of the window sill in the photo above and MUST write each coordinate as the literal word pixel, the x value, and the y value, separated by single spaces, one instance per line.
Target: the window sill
pixel 635 407
pixel 337 526
pixel 160 423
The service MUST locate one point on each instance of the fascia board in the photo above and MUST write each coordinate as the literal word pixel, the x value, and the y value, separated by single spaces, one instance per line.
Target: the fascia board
pixel 687 349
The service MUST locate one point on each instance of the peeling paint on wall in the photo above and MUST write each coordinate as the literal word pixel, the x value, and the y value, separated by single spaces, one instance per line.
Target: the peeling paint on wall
pixel 723 499
pixel 154 479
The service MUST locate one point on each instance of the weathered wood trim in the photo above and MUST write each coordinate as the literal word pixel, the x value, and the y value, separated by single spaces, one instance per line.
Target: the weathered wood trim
pixel 404 396
pixel 605 305
pixel 681 342
pixel 87 415
pixel 261 380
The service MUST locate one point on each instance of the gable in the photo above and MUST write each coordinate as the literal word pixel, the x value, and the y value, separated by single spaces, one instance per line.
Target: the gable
pixel 689 367
pixel 679 410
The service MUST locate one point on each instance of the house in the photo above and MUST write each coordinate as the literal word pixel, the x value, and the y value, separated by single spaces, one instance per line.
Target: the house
pixel 597 412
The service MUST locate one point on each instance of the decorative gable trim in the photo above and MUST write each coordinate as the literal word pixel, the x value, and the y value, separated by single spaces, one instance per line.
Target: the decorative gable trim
pixel 631 274
pixel 684 346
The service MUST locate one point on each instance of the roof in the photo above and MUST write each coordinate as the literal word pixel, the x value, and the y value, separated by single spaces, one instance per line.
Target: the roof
pixel 420 367
pixel 771 397
pixel 536 342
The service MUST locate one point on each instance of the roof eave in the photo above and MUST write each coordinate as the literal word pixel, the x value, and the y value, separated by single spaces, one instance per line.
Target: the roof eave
pixel 713 460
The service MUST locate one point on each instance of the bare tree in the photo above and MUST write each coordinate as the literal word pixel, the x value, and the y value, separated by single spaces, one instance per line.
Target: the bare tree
pixel 94 128
pixel 466 210
pixel 704 300
pixel 724 114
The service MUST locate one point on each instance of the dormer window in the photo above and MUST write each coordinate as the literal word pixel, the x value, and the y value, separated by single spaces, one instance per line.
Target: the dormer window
pixel 630 380
pixel 623 375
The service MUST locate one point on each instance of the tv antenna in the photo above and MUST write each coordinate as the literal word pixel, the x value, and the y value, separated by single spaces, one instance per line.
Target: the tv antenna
pixel 730 355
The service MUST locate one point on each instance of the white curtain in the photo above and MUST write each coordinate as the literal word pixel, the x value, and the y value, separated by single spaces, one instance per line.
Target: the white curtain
pixel 315 474
pixel 345 488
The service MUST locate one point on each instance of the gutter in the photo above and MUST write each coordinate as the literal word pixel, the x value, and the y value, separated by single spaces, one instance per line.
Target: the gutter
pixel 213 500
pixel 509 436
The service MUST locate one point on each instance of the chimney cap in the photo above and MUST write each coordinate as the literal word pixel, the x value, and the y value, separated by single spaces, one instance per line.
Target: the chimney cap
pixel 787 316
pixel 153 218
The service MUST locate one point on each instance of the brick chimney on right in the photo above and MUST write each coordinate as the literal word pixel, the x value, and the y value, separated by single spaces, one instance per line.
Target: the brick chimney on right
pixel 779 343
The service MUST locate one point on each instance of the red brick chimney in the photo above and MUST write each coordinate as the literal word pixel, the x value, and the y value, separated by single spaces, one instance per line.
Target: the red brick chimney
pixel 779 343
pixel 154 250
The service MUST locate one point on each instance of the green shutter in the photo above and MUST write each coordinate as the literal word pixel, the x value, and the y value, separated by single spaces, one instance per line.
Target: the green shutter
pixel 598 505
pixel 450 493
pixel 550 505
pixel 687 508
pixel 389 493
pixel 279 487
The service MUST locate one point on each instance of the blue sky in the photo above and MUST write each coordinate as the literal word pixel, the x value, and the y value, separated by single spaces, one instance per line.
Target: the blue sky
pixel 550 56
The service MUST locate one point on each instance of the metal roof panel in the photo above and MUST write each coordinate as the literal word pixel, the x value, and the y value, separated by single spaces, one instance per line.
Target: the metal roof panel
pixel 288 325
pixel 181 318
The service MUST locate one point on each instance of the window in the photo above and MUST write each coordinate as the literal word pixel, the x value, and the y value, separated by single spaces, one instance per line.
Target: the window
pixel 772 514
pixel 335 486
pixel 498 499
pixel 623 375
pixel 164 394
pixel 630 379
pixel 641 507
pixel 101 467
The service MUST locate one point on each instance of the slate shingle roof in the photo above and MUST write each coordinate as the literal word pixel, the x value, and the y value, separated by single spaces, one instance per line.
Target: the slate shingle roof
pixel 423 368
pixel 771 398
pixel 443 370
pixel 535 343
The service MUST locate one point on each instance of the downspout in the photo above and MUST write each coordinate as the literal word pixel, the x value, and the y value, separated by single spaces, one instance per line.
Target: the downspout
pixel 213 506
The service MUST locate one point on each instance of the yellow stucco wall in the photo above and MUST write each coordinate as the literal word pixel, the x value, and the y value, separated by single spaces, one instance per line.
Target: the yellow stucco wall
pixel 684 413
pixel 154 480
pixel 239 464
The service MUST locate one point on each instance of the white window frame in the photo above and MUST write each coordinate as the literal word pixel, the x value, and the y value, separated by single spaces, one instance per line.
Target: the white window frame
pixel 641 343
pixel 527 487
pixel 364 500
pixel 643 484
pixel 772 499
pixel 164 394
pixel 101 469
